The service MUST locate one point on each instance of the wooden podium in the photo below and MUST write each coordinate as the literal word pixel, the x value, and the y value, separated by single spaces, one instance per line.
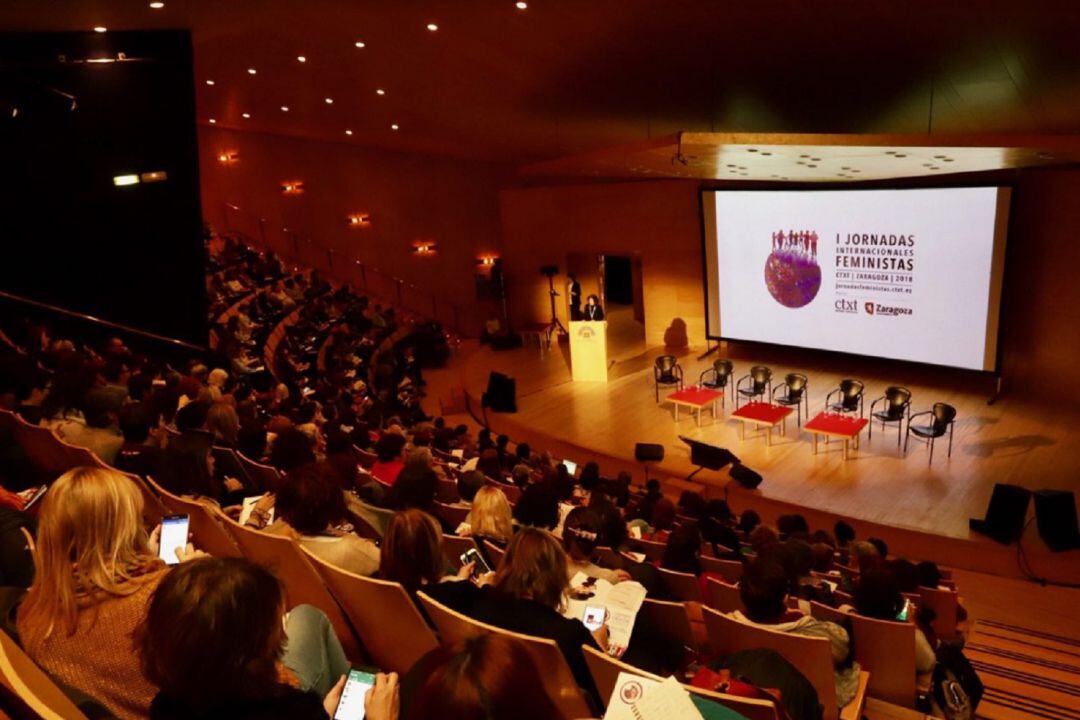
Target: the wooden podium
pixel 588 351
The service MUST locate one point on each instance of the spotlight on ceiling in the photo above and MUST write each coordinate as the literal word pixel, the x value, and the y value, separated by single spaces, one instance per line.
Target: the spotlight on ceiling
pixel 284 108
pixel 380 91
pixel 301 58
pixel 245 115
pixel 360 44
pixel 395 126
pixel 521 5
pixel 329 101
pixel 100 29
pixel 348 132
pixel 432 27
pixel 213 121
pixel 123 180
pixel 252 71
pixel 209 82
pixel 157 5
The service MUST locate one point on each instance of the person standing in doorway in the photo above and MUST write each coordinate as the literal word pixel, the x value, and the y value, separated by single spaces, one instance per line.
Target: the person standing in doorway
pixel 573 291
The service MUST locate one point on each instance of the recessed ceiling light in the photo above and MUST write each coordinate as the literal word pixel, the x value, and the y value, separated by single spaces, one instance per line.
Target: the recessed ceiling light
pixel 380 91
pixel 348 132
pixel 432 27
pixel 394 126
pixel 213 121
pixel 100 29
pixel 301 58
pixel 209 82
pixel 284 108
pixel 245 115
pixel 360 44
pixel 329 101
pixel 521 5
pixel 157 5
pixel 251 71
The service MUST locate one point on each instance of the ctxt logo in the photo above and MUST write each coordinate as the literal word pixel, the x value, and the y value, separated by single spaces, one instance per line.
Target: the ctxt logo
pixel 846 306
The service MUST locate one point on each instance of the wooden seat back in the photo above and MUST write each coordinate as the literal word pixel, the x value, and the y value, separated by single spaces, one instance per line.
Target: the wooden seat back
pixel 206 524
pixel 393 631
pixel 555 674
pixel 810 655
pixel 605 672
pixel 730 570
pixel 681 586
pixel 452 516
pixel 944 602
pixel 303 585
pixel 671 617
pixel 454 546
pixel 32 686
pixel 886 649
pixel 722 596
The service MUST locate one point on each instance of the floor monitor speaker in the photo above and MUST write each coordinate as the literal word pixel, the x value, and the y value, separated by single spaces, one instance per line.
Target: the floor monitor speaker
pixel 1005 516
pixel 501 395
pixel 1055 511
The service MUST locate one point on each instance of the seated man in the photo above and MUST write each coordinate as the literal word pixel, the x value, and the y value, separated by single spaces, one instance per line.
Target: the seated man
pixel 763 589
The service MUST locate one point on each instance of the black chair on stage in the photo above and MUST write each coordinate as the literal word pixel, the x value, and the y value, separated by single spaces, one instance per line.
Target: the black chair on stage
pixel 895 409
pixel 667 372
pixel 794 387
pixel 849 397
pixel 758 384
pixel 942 418
pixel 718 377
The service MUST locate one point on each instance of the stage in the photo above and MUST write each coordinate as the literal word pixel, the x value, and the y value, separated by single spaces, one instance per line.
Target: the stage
pixel 1013 440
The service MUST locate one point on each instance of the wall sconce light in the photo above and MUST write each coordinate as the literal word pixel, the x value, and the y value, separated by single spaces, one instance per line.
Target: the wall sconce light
pixel 359 220
pixel 155 176
pixel 425 247
pixel 486 261
pixel 292 188
pixel 229 157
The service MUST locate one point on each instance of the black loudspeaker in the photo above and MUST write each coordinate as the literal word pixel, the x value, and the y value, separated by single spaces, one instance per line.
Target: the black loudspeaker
pixel 501 393
pixel 709 457
pixel 648 452
pixel 744 476
pixel 1005 516
pixel 1055 511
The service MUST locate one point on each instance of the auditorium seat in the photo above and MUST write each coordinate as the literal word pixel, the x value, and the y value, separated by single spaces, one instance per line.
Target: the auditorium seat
pixel 605 672
pixel 654 551
pixel 454 547
pixel 394 633
pixel 207 530
pixel 731 570
pixel 944 602
pixel 494 552
pixel 722 596
pixel 302 583
pixel 671 617
pixel 554 672
pixel 811 655
pixel 264 477
pixel 886 649
pixel 30 685
pixel 681 586
pixel 451 515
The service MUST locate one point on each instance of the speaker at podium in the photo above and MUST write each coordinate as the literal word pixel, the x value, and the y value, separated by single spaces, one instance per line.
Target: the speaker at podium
pixel 588 351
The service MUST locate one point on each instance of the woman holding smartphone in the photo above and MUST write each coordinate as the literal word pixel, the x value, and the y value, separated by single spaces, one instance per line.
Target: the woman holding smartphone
pixel 96 570
pixel 218 643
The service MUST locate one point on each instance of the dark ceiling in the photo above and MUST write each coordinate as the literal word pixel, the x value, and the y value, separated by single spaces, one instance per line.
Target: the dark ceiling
pixel 499 83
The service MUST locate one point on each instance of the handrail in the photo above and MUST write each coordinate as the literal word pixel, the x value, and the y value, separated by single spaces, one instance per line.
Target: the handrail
pixel 102 322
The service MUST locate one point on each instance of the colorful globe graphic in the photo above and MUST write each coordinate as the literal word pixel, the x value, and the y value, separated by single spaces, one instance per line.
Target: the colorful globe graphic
pixel 793 279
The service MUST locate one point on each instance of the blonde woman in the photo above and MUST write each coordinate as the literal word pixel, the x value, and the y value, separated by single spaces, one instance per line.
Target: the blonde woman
pixel 490 518
pixel 96 571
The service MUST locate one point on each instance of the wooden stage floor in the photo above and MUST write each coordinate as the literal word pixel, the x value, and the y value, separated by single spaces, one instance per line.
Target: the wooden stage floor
pixel 1013 440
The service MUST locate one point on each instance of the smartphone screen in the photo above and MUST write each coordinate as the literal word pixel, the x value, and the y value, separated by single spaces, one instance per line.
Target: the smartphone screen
pixel 351 706
pixel 902 616
pixel 174 534
pixel 571 467
pixel 593 617
pixel 473 555
pixel 32 496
